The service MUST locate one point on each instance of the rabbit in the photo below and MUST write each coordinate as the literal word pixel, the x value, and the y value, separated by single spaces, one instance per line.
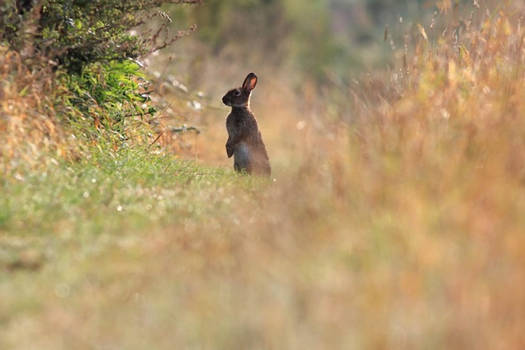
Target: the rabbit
pixel 245 142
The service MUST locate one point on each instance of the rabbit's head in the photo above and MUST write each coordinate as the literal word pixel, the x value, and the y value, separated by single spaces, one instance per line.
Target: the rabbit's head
pixel 240 97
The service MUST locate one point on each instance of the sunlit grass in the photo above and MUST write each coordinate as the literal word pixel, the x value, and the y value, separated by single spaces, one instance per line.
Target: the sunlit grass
pixel 55 221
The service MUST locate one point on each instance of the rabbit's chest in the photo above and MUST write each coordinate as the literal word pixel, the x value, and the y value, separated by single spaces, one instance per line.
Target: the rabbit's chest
pixel 241 125
pixel 234 125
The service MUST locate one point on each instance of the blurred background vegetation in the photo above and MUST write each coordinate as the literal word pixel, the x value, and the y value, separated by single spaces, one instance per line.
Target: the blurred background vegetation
pixel 317 38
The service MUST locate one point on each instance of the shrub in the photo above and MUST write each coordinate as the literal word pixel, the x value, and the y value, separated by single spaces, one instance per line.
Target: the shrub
pixel 26 103
pixel 92 47
pixel 107 95
pixel 74 33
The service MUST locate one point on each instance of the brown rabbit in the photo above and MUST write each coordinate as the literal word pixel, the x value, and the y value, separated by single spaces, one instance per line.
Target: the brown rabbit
pixel 244 138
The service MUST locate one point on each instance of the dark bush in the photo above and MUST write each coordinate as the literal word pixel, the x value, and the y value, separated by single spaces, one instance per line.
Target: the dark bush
pixel 73 33
pixel 92 46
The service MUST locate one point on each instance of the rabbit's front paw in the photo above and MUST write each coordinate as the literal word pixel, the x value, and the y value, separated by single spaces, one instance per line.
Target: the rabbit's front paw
pixel 229 150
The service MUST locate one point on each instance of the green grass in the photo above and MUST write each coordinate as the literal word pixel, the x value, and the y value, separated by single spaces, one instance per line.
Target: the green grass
pixel 56 223
pixel 130 189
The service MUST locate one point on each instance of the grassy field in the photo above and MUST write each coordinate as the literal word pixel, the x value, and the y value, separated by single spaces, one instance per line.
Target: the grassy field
pixel 62 225
pixel 393 219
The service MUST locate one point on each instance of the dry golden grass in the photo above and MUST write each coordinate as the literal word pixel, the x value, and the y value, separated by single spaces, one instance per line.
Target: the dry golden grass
pixel 28 121
pixel 397 223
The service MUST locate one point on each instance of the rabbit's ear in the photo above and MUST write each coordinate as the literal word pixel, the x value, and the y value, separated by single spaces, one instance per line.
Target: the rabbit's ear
pixel 250 82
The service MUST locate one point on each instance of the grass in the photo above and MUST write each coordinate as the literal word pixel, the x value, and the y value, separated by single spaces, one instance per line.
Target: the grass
pixel 130 183
pixel 56 222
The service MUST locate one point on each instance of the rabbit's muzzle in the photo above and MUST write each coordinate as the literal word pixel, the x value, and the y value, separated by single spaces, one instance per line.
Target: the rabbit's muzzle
pixel 226 101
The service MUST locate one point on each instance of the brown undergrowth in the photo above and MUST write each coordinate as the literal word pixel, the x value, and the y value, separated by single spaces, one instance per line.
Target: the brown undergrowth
pixel 29 123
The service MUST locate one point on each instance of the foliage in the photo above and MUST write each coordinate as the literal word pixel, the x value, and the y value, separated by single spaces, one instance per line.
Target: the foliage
pixel 77 32
pixel 295 31
pixel 108 95
pixel 317 39
pixel 87 52
pixel 28 123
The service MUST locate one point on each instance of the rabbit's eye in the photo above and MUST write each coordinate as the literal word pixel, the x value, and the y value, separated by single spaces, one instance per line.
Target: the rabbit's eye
pixel 237 93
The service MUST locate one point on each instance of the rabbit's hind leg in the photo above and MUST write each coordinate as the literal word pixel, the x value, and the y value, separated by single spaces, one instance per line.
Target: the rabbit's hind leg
pixel 261 164
pixel 242 158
